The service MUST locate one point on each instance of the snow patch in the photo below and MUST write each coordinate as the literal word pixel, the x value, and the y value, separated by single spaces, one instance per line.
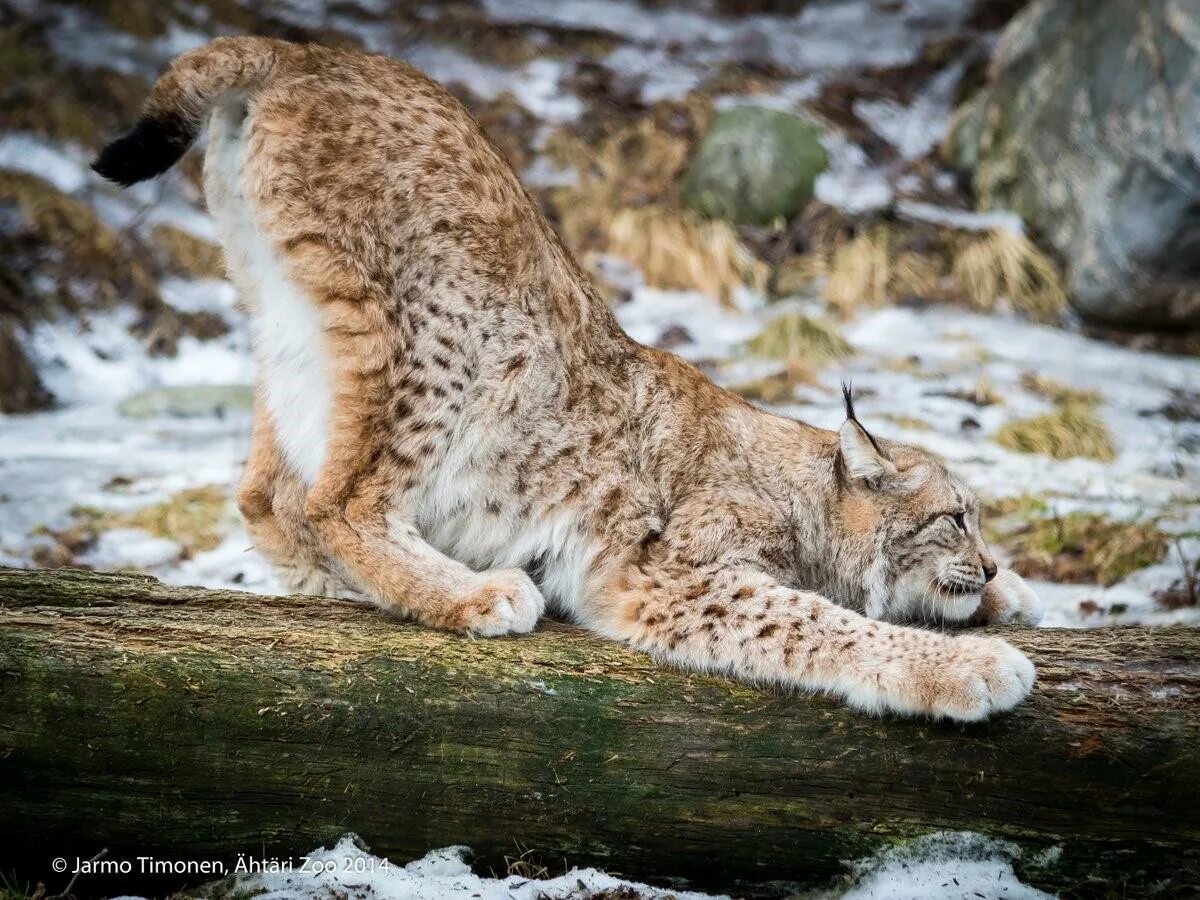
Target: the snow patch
pixel 946 864
pixel 349 870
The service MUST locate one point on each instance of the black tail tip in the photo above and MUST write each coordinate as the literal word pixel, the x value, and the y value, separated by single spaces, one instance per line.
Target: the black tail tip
pixel 152 147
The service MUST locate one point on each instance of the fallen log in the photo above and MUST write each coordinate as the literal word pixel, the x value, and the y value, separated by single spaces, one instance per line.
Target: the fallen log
pixel 190 724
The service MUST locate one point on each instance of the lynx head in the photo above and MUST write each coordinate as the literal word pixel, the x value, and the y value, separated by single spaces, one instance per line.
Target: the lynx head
pixel 914 541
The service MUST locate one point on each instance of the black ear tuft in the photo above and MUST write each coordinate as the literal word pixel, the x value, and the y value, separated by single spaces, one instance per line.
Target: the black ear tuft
pixel 848 399
pixel 152 147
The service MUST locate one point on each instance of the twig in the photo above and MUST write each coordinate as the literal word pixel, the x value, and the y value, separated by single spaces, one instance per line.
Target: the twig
pixel 70 884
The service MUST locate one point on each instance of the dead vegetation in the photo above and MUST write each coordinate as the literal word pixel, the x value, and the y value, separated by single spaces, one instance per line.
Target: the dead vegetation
pixel 1083 547
pixel 626 203
pixel 1072 430
pixel 1058 392
pixel 866 264
pixel 798 339
pixel 187 255
pixel 778 387
pixel 80 265
pixel 196 518
pixel 1003 265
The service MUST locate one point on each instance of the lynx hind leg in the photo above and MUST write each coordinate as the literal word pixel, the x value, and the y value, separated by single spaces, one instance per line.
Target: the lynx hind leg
pixel 742 622
pixel 271 500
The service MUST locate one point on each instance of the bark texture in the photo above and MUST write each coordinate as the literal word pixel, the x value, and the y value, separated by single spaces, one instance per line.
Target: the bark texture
pixel 196 724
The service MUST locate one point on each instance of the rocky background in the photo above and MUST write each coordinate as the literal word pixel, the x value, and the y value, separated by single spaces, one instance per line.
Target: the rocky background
pixel 986 214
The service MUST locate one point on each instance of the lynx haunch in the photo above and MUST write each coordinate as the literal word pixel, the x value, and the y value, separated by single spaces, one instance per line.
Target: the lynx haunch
pixel 451 422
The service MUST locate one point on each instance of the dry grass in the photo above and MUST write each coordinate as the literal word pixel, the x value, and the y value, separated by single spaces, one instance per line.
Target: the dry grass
pixel 779 387
pixel 912 423
pixel 983 393
pixel 796 338
pixel 60 220
pixel 194 518
pixel 1073 430
pixel 626 204
pixel 1005 265
pixel 677 250
pixel 526 864
pixel 869 265
pixel 864 268
pixel 1056 391
pixel 197 519
pixel 84 248
pixel 186 254
pixel 859 272
pixel 1084 547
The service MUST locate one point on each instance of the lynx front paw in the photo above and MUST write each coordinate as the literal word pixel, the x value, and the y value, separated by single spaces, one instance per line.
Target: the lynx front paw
pixel 1008 599
pixel 507 602
pixel 981 676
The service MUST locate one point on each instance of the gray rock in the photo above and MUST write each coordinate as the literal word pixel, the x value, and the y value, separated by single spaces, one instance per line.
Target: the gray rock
pixel 755 165
pixel 1089 127
pixel 188 401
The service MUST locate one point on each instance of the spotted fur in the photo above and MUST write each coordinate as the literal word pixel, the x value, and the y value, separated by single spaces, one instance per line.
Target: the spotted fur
pixel 451 422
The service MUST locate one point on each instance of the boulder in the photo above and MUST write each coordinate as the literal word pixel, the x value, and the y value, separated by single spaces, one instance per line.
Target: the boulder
pixel 755 165
pixel 1089 127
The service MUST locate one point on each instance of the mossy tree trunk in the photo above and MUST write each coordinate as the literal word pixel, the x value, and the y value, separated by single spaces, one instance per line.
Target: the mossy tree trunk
pixel 195 724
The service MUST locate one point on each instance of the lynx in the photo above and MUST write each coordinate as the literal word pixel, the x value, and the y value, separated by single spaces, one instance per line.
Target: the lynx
pixel 451 422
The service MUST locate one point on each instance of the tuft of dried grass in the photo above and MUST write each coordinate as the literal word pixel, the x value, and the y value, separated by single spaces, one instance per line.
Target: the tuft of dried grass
pixel 1073 430
pixel 193 518
pixel 186 254
pixel 984 393
pixel 1056 391
pixel 799 339
pixel 197 519
pixel 625 203
pixel 779 387
pixel 859 272
pixel 1003 264
pixel 866 265
pixel 678 250
pixel 912 423
pixel 1084 547
pixel 60 220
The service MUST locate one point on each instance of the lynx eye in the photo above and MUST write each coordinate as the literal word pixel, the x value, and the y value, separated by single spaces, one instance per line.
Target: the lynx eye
pixel 959 520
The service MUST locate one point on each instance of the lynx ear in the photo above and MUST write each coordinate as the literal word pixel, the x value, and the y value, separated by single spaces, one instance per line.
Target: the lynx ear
pixel 862 456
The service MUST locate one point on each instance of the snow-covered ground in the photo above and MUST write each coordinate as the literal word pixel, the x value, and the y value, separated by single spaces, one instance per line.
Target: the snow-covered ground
pixel 944 864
